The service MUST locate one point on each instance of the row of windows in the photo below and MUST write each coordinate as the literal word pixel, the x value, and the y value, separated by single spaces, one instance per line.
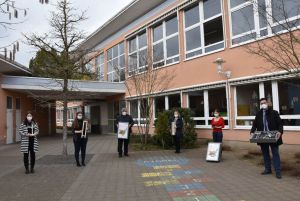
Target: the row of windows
pixel 203 33
pixel 283 95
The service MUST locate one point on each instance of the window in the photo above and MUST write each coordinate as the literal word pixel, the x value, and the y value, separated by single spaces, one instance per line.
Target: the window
pixel 165 43
pixel 9 102
pixel 289 101
pixel 159 105
pixel 100 67
pixel 18 103
pixel 247 97
pixel 138 54
pixel 174 101
pixel 138 110
pixel 250 19
pixel 203 27
pixel 134 110
pixel 116 63
pixel 203 103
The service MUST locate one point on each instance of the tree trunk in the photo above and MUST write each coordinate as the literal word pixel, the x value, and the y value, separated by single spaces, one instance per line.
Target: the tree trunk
pixel 65 119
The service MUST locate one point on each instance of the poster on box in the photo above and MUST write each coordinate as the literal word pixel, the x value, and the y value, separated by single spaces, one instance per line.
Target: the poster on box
pixel 213 152
pixel 123 130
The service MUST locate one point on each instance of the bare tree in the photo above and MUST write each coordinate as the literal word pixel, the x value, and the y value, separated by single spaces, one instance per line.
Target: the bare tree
pixel 60 44
pixel 142 83
pixel 282 48
pixel 10 11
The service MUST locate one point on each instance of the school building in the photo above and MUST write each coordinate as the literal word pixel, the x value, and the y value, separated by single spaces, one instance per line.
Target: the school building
pixel 190 38
pixel 185 37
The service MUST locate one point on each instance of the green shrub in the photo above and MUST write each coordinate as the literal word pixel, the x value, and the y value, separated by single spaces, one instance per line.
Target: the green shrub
pixel 163 132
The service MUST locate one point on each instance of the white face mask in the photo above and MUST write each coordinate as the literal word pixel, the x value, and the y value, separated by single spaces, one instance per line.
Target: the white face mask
pixel 264 106
pixel 216 114
pixel 176 115
pixel 29 118
pixel 79 117
pixel 124 113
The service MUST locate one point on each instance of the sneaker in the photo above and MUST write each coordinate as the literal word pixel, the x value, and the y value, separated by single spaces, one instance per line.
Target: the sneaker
pixel 265 172
pixel 278 176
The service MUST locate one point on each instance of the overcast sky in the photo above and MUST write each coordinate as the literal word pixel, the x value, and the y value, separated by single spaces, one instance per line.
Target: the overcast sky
pixel 98 12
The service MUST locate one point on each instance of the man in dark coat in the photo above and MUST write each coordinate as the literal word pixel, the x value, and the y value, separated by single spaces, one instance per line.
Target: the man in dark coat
pixel 268 119
pixel 178 134
pixel 124 118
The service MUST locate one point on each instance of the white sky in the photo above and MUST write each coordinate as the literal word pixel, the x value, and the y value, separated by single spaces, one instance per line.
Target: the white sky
pixel 98 12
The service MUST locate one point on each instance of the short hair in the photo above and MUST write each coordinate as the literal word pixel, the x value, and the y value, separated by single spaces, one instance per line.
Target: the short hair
pixel 262 99
pixel 217 110
pixel 124 109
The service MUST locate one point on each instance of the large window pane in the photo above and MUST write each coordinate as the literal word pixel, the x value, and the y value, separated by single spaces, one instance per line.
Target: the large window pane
pixel 159 105
pixel 213 31
pixel 134 109
pixel 289 96
pixel 217 103
pixel 132 62
pixel 196 103
pixel 243 20
pixel 132 45
pixel 211 8
pixel 247 100
pixel 144 108
pixel 142 40
pixel 192 16
pixel 174 101
pixel 172 47
pixel 193 39
pixel 268 92
pixel 171 26
pixel 282 10
pixel 234 3
pixel 115 51
pixel 158 52
pixel 158 33
pixel 263 22
pixel 143 58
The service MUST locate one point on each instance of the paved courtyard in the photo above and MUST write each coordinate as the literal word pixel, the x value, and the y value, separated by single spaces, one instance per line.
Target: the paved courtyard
pixel 144 176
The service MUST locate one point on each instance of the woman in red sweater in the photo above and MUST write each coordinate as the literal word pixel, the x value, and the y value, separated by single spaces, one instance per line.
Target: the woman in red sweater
pixel 217 124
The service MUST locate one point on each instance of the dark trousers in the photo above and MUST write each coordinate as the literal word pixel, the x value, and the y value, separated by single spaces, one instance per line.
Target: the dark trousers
pixel 177 143
pixel 218 137
pixel 120 146
pixel 32 155
pixel 265 148
pixel 80 145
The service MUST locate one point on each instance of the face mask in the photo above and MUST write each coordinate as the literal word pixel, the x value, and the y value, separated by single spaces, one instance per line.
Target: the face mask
pixel 79 117
pixel 124 113
pixel 29 118
pixel 176 115
pixel 216 115
pixel 264 106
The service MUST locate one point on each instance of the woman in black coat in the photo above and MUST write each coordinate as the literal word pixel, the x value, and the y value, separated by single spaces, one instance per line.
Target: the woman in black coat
pixel 177 132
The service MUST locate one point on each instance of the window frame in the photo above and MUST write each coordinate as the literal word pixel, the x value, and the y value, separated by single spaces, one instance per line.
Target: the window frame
pixel 139 69
pixel 110 61
pixel 200 25
pixel 164 41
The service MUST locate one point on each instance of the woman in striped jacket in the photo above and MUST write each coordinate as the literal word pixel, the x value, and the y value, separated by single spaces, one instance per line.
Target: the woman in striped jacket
pixel 29 144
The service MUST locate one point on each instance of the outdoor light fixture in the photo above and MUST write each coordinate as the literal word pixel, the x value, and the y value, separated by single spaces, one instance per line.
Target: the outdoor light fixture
pixel 219 62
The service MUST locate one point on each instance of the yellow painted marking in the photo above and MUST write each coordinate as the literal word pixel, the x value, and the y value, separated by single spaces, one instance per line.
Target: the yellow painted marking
pixel 156 174
pixel 160 183
pixel 167 167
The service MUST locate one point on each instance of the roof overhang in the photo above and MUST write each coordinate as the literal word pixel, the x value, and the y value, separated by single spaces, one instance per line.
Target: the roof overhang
pixel 127 15
pixel 51 89
pixel 8 67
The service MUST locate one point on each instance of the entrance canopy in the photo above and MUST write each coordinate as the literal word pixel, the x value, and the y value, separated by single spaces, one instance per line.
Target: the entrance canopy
pixel 51 89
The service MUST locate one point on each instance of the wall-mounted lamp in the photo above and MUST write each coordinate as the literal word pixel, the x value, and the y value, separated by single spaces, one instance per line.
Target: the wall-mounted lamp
pixel 219 62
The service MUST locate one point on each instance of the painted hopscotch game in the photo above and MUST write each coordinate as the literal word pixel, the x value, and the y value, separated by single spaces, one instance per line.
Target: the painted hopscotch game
pixel 182 182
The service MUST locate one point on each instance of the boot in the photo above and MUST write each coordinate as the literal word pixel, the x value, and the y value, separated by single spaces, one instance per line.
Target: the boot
pixel 32 170
pixel 26 171
pixel 78 164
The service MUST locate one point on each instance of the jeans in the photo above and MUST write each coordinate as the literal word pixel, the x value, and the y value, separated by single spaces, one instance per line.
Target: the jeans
pixel 218 137
pixel 265 148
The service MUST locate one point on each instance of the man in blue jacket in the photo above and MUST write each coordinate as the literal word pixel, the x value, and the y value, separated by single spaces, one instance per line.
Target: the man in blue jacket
pixel 268 119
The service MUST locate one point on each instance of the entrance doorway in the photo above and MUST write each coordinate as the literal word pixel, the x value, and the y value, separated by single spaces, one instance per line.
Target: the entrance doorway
pixel 9 120
pixel 95 119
